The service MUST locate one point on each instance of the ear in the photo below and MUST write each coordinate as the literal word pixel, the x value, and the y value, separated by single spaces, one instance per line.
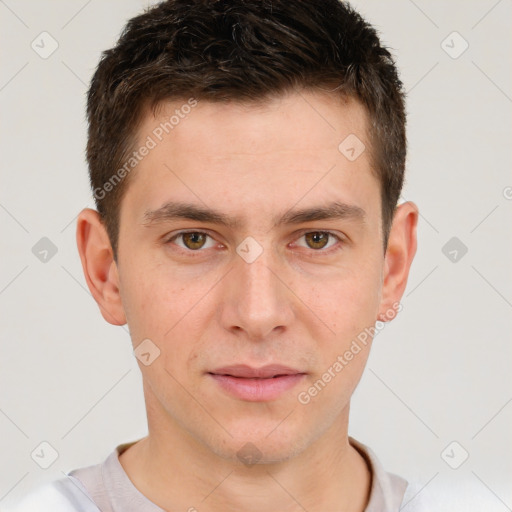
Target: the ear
pixel 398 259
pixel 99 267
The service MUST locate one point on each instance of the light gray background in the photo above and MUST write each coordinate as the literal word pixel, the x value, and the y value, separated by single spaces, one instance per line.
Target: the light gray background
pixel 438 373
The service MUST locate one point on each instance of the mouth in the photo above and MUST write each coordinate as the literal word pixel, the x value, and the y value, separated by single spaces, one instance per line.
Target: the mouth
pixel 257 384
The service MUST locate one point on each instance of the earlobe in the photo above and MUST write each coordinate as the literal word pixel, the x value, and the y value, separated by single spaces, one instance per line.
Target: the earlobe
pixel 400 253
pixel 100 269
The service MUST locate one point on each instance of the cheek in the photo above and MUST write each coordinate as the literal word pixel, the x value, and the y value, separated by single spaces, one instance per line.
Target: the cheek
pixel 171 310
pixel 346 301
pixel 150 301
pixel 150 285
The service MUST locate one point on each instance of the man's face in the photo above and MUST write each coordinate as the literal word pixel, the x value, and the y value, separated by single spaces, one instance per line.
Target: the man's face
pixel 269 289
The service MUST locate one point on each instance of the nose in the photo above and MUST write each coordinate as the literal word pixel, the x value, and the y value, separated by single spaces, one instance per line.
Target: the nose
pixel 257 301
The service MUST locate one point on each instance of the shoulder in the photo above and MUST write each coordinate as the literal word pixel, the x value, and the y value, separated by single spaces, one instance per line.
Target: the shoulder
pixel 417 498
pixel 62 495
pixel 391 492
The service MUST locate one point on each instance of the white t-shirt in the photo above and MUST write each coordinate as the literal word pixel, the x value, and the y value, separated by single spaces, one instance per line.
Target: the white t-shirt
pixel 106 487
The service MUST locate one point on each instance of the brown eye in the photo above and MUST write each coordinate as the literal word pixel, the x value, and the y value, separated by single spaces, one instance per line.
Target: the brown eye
pixel 194 240
pixel 317 239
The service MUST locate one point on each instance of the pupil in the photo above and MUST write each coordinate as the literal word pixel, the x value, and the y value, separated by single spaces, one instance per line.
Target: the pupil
pixel 194 239
pixel 318 238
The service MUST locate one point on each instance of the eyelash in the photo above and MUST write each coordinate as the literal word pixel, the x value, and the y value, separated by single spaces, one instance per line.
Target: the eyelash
pixel 319 251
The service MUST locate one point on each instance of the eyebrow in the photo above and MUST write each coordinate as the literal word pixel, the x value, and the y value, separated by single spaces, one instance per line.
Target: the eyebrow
pixel 174 210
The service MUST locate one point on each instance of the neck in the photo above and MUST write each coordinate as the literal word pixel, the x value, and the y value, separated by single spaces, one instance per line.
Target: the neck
pixel 177 472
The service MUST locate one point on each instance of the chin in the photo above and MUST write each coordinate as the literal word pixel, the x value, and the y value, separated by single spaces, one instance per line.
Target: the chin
pixel 259 445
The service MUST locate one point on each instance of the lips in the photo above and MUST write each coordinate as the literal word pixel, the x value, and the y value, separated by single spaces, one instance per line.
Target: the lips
pixel 256 384
pixel 247 372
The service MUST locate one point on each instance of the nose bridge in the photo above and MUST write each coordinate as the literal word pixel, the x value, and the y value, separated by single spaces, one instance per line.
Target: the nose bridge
pixel 258 280
pixel 259 301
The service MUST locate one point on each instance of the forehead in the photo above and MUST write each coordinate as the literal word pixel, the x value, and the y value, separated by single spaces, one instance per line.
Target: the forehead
pixel 297 121
pixel 253 156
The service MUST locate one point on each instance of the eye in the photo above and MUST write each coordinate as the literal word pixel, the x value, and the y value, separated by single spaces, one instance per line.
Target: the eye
pixel 195 241
pixel 192 240
pixel 318 240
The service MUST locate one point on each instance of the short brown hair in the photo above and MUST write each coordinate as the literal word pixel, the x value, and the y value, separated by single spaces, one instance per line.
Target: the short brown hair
pixel 241 50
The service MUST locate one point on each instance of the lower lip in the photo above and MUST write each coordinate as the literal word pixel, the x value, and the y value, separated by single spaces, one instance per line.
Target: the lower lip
pixel 257 390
